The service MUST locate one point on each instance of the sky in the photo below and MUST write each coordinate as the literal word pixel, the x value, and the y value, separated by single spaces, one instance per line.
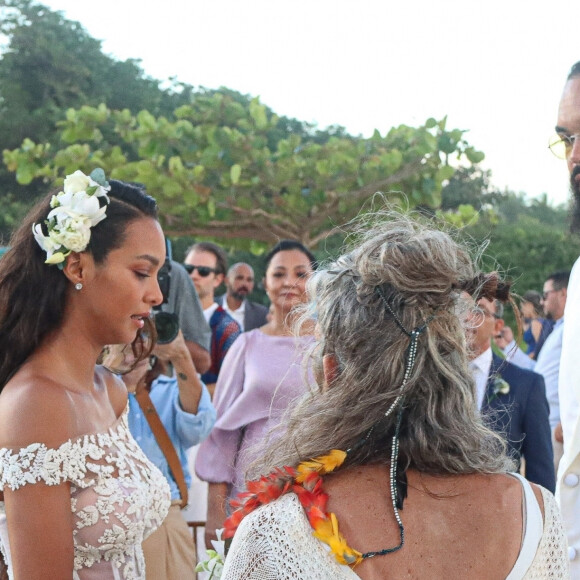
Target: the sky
pixel 495 68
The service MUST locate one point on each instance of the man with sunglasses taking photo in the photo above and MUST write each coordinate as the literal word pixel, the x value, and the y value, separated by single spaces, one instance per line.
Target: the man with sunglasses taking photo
pixel 206 264
pixel 566 145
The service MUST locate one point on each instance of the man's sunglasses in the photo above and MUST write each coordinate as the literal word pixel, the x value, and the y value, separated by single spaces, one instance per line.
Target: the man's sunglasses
pixel 203 271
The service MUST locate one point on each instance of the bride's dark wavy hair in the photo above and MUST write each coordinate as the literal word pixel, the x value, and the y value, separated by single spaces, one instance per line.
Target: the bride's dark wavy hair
pixel 33 294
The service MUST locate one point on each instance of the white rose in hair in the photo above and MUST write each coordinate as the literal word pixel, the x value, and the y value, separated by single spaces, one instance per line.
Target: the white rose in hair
pixel 75 234
pixel 77 181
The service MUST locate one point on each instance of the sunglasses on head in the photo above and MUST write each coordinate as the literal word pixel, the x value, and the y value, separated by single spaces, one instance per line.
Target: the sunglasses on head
pixel 203 271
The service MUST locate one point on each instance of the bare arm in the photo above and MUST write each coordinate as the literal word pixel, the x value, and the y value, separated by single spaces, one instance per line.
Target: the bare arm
pixel 188 382
pixel 199 356
pixel 40 529
pixel 216 510
pixel 536 329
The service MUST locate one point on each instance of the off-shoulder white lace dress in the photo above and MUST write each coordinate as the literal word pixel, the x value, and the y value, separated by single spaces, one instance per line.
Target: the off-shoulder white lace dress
pixel 117 498
pixel 275 542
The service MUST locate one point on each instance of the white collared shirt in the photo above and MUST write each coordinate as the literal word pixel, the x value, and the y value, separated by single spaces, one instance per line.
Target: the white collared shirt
pixel 548 366
pixel 480 366
pixel 237 315
pixel 208 312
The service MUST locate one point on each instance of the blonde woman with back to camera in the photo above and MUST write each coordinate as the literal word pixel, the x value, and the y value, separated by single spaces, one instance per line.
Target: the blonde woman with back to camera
pixel 386 470
pixel 79 494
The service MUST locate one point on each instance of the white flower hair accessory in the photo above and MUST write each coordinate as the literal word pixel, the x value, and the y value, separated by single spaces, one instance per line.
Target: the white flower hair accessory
pixel 78 208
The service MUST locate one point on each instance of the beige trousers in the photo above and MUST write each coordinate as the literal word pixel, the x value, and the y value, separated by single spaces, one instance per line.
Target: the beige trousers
pixel 170 550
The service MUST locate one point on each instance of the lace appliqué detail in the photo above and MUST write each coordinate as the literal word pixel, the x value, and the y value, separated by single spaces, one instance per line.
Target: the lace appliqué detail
pixel 118 497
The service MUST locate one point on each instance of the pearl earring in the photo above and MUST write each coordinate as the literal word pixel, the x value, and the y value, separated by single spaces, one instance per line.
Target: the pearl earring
pixel 78 286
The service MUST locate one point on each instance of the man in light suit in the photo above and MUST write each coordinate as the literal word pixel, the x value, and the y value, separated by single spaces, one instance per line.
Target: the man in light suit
pixel 512 400
pixel 239 283
pixel 566 145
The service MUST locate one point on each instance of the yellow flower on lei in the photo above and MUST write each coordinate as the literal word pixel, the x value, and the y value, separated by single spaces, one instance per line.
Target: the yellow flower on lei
pixel 322 464
pixel 327 531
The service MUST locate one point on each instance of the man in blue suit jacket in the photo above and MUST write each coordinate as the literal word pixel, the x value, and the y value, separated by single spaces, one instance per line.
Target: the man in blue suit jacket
pixel 512 400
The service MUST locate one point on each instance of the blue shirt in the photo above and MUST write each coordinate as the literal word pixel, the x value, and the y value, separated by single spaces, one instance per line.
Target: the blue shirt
pixel 184 429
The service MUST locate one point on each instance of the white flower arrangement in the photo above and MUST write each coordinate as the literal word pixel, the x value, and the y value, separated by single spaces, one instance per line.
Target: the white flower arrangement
pixel 74 212
pixel 216 557
pixel 499 387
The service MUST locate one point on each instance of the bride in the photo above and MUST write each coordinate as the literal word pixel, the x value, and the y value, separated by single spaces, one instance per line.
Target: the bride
pixel 79 495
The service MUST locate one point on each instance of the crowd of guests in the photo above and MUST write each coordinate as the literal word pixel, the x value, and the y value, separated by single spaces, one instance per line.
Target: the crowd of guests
pixel 383 391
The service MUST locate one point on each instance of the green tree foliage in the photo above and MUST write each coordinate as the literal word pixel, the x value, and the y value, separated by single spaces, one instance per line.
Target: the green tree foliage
pixel 215 172
pixel 51 63
pixel 221 163
pixel 48 64
pixel 527 240
pixel 469 186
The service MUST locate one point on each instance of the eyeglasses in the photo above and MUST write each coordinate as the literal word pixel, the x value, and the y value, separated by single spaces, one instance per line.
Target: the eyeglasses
pixel 481 312
pixel 203 271
pixel 561 145
pixel 545 294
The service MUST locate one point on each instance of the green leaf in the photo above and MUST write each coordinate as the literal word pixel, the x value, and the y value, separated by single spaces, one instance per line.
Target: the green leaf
pixel 235 173
pixel 445 172
pixel 473 155
pixel 98 175
pixel 258 114
pixel 323 167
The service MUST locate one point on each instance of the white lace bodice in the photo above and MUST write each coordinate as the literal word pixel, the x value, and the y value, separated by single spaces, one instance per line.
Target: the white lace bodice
pixel 275 542
pixel 117 497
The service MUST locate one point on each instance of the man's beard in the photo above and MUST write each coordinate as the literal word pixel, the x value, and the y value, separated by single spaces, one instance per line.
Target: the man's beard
pixel 240 294
pixel 575 187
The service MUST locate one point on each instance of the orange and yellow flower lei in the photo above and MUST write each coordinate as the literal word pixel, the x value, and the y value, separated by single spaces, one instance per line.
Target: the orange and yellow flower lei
pixel 306 482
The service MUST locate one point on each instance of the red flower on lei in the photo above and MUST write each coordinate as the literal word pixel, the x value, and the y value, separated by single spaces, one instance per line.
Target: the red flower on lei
pixel 306 482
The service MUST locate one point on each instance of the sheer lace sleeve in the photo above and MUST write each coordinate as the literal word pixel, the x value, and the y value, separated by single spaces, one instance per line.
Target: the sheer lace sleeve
pixel 37 463
pixel 275 542
pixel 118 497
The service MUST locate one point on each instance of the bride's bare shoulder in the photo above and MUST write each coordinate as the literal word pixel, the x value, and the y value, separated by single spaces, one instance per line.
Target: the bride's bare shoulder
pixel 116 389
pixel 35 409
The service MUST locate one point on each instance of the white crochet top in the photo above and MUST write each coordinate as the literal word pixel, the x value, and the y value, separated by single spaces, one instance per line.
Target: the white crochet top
pixel 117 497
pixel 275 542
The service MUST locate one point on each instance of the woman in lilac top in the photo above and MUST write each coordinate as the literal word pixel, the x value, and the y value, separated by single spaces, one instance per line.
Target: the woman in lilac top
pixel 260 376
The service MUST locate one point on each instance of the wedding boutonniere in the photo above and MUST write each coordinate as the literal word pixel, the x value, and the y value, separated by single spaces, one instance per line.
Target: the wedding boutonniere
pixel 499 387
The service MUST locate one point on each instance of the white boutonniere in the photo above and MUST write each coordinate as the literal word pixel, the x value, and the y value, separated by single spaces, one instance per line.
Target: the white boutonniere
pixel 216 557
pixel 499 387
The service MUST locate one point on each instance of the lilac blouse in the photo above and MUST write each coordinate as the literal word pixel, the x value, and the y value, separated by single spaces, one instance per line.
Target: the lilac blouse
pixel 260 376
